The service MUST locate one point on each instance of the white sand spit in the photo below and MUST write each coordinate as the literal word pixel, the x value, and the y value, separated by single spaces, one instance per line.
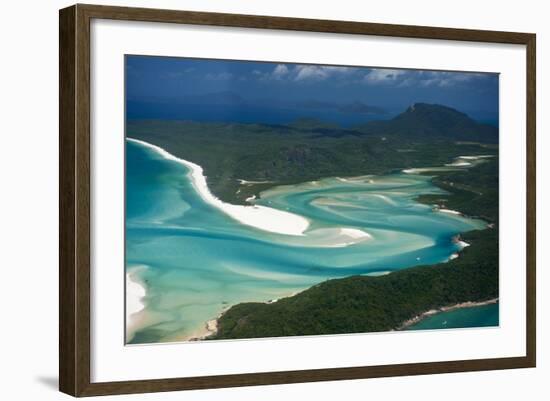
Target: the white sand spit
pixel 135 307
pixel 476 157
pixel 449 211
pixel 261 217
pixel 135 292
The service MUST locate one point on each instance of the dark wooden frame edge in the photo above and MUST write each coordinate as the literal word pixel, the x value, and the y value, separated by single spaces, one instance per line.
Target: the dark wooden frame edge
pixel 74 199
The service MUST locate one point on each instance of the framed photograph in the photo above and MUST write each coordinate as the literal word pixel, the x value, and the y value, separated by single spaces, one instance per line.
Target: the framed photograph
pixel 250 200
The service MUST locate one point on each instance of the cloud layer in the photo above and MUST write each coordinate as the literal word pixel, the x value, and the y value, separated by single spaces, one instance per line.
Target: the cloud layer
pixel 389 88
pixel 366 76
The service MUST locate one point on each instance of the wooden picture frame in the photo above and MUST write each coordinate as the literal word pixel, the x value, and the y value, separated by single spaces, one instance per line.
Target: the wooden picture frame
pixel 74 203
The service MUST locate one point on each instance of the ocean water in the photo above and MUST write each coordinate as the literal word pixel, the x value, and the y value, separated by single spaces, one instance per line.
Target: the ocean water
pixel 477 316
pixel 245 114
pixel 234 113
pixel 195 261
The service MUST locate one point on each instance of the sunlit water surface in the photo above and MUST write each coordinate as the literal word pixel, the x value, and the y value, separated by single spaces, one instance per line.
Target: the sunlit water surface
pixel 195 261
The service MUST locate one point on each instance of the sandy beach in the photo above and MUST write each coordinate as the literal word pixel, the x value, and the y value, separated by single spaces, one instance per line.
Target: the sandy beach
pixel 449 211
pixel 453 256
pixel 210 328
pixel 476 157
pixel 354 235
pixel 333 237
pixel 457 240
pixel 460 162
pixel 135 291
pixel 261 217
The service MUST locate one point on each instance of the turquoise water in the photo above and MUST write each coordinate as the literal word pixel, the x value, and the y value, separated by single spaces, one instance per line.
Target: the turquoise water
pixel 477 316
pixel 195 261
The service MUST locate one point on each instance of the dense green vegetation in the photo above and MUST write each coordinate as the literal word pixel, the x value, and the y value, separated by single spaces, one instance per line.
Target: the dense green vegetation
pixel 368 304
pixel 422 136
pixel 308 150
pixel 473 191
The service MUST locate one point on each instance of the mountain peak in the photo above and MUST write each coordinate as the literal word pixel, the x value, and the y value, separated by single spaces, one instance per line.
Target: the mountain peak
pixel 434 115
pixel 435 120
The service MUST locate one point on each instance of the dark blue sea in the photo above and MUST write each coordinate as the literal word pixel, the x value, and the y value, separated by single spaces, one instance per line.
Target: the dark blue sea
pixel 244 114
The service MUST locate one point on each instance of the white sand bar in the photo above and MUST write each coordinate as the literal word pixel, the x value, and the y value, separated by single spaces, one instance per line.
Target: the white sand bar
pixel 476 157
pixel 332 238
pixel 261 217
pixel 135 292
pixel 450 211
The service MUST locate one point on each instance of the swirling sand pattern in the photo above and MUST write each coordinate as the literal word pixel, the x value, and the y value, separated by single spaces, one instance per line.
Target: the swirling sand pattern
pixel 194 259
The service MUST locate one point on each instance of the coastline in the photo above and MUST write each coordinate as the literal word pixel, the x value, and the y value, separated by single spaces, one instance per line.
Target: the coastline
pixel 135 292
pixel 211 326
pixel 264 217
pixel 248 215
pixel 355 313
pixel 457 239
pixel 260 217
pixel 459 163
pixel 431 312
pixel 210 329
